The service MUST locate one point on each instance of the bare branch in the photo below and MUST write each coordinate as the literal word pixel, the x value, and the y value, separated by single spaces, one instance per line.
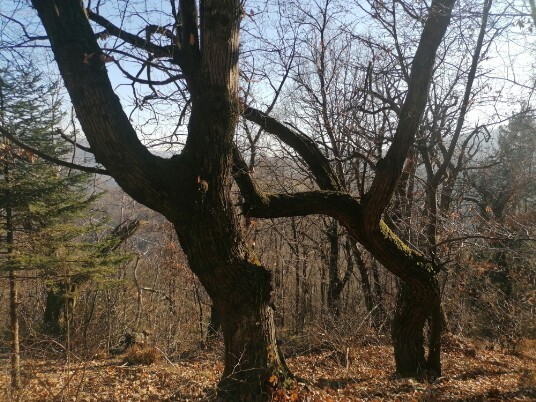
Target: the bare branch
pixel 111 29
pixel 74 143
pixel 468 237
pixel 50 158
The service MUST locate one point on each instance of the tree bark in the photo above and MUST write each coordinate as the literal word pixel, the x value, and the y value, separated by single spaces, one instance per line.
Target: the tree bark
pixel 241 292
pixel 13 291
pixel 414 305
pixel 362 218
pixel 193 189
pixel 15 342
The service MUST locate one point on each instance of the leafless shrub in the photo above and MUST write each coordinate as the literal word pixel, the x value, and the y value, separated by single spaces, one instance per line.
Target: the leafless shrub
pixel 142 355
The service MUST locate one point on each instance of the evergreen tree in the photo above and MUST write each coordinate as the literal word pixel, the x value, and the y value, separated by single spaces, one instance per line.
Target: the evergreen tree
pixel 44 208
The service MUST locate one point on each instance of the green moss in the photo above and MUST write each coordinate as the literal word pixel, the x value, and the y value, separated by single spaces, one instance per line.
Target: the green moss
pixel 399 244
pixel 415 257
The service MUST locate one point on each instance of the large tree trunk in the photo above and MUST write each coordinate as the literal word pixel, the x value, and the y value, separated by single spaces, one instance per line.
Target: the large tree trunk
pixel 241 293
pixel 210 234
pixel 251 353
pixel 415 304
pixel 193 189
pixel 239 286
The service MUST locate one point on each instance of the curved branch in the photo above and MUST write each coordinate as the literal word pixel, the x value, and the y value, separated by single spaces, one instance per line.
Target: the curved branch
pixel 484 237
pixel 331 203
pixel 22 26
pixel 403 261
pixel 50 158
pixel 110 134
pixel 303 145
pixel 149 82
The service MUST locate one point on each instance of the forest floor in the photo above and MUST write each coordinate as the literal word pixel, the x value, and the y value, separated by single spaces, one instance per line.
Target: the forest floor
pixel 363 373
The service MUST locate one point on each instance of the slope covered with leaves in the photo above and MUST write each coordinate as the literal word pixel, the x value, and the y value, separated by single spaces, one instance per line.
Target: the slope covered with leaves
pixel 357 374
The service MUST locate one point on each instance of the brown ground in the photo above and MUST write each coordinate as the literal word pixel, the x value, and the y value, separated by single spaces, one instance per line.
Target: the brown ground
pixel 469 375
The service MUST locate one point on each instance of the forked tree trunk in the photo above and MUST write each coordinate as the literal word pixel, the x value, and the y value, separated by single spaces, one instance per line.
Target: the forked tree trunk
pixel 205 219
pixel 416 303
pixel 210 235
pixel 241 293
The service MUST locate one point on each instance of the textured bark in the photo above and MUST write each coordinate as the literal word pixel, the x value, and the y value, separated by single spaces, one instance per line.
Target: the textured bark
pixel 191 189
pixel 415 304
pixel 362 218
pixel 15 342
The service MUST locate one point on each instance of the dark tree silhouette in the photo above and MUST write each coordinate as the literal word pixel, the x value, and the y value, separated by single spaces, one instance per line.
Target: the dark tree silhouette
pixel 193 189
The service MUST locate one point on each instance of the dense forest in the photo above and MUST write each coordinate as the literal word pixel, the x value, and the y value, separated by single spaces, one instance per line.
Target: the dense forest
pixel 229 200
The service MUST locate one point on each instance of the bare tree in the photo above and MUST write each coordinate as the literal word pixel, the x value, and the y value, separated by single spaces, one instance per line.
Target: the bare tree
pixel 191 189
pixel 199 48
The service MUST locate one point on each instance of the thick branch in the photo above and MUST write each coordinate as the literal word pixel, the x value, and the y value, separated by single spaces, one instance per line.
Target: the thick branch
pixel 106 126
pixel 303 145
pixel 390 167
pixel 248 188
pixel 332 203
pixel 466 98
pixel 400 259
